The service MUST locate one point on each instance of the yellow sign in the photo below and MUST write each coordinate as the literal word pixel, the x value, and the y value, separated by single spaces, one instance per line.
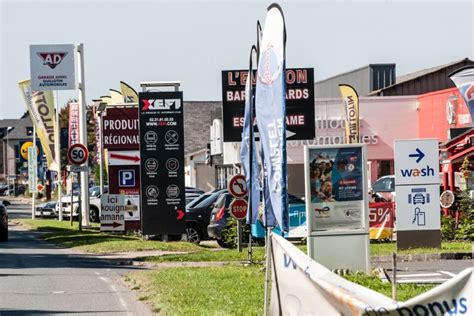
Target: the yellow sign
pixel 24 150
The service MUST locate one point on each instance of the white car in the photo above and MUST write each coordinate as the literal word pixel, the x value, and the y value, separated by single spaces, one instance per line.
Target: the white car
pixel 94 207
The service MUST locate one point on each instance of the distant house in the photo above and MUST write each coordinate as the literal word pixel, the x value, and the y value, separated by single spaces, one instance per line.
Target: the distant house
pixel 19 129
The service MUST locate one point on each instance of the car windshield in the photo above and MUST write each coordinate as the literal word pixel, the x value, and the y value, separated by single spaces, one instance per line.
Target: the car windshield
pixel 294 200
pixel 210 199
pixel 197 200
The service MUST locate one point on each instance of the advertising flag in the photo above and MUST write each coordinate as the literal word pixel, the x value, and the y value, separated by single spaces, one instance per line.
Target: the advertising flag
pixel 464 81
pixel 302 286
pixel 271 113
pixel 40 105
pixel 351 107
pixel 129 94
pixel 116 97
pixel 248 148
pixel 74 123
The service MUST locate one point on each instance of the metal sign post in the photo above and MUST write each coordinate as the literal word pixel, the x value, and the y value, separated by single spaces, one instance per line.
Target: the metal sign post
pixel 84 176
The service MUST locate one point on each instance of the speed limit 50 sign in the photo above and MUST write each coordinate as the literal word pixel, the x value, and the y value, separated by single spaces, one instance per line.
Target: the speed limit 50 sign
pixel 77 154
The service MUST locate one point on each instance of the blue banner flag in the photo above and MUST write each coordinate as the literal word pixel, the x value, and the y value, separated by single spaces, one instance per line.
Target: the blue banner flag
pixel 464 80
pixel 247 149
pixel 271 113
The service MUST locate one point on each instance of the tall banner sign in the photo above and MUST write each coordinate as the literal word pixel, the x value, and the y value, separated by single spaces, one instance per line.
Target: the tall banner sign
pixel 74 123
pixel 301 286
pixel 162 163
pixel 32 169
pixel 337 206
pixel 299 96
pixel 351 108
pixel 417 193
pixel 52 67
pixel 271 117
pixel 464 81
pixel 40 105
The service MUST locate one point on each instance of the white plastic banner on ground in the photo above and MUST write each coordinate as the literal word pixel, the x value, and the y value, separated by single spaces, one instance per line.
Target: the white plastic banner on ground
pixel 301 286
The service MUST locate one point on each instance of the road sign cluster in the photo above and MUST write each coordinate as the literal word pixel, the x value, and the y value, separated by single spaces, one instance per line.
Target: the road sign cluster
pixel 238 189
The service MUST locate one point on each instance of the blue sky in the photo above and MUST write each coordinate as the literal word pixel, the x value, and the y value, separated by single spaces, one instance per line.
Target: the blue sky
pixel 192 41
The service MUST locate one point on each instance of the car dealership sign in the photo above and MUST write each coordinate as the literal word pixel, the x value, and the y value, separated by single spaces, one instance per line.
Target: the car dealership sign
pixel 52 67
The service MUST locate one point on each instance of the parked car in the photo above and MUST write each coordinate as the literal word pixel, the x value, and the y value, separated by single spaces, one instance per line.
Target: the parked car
pixel 221 214
pixel 198 216
pixel 385 187
pixel 48 209
pixel 94 191
pixel 192 193
pixel 3 223
pixel 66 205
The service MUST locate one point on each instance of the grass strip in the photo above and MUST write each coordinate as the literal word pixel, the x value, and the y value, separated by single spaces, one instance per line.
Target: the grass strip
pixel 228 290
pixel 93 241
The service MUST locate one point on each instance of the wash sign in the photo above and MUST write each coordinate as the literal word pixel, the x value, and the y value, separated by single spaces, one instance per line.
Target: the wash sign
pixel 417 185
pixel 416 161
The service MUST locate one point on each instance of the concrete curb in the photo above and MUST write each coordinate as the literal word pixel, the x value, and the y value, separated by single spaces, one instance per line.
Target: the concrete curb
pixel 425 257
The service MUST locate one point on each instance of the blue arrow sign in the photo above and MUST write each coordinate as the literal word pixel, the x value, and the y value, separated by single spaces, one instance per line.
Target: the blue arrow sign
pixel 419 154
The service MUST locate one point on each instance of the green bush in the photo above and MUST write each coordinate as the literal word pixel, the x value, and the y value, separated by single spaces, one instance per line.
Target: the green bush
pixel 229 234
pixel 447 228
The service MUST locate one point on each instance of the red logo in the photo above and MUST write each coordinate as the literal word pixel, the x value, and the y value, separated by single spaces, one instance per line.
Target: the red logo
pixel 52 59
pixel 146 104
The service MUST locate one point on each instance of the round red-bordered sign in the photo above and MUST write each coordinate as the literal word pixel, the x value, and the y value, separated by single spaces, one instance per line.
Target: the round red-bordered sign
pixel 237 186
pixel 238 209
pixel 77 154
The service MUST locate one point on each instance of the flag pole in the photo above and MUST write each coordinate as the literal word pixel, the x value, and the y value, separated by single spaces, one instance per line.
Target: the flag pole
pixel 251 97
pixel 268 267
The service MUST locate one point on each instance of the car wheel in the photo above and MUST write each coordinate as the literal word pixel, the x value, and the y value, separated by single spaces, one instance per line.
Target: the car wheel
pixel 223 244
pixel 193 235
pixel 94 215
pixel 3 228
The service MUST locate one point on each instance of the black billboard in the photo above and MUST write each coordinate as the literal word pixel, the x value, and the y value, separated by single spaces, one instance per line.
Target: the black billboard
pixel 299 103
pixel 162 193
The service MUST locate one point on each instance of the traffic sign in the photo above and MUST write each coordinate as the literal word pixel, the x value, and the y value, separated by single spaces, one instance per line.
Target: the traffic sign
pixel 75 168
pixel 416 161
pixel 238 209
pixel 77 154
pixel 446 199
pixel 237 186
pixel 112 217
pixel 40 187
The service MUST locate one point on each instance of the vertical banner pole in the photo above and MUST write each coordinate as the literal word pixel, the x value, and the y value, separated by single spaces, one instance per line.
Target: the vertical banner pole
pixel 33 201
pixel 268 267
pixel 84 176
pixel 394 276
pixel 71 175
pixel 101 158
pixel 57 148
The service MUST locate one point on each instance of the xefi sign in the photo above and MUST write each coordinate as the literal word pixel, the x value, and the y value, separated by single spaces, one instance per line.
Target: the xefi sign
pixel 299 103
pixel 162 163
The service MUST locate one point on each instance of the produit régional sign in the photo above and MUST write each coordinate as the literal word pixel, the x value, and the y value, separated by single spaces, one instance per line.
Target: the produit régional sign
pixel 52 67
pixel 299 103
pixel 162 163
pixel 120 129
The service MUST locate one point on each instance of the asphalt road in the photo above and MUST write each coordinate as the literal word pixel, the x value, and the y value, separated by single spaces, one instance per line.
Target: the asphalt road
pixel 38 278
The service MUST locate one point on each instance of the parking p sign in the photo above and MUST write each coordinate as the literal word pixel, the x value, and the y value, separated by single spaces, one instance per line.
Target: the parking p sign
pixel 126 178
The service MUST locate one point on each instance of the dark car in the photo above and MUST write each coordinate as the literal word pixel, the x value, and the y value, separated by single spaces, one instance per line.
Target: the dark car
pixel 3 223
pixel 219 217
pixel 198 215
pixel 192 193
pixel 47 209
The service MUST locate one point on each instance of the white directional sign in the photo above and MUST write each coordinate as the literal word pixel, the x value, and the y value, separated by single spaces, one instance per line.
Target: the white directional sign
pixel 416 161
pixel 417 193
pixel 32 169
pixel 124 157
pixel 112 208
pixel 418 207
pixel 52 67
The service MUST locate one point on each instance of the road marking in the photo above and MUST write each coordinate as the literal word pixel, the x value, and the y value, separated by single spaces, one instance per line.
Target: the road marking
pixel 97 273
pixel 104 279
pixel 58 292
pixel 448 273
